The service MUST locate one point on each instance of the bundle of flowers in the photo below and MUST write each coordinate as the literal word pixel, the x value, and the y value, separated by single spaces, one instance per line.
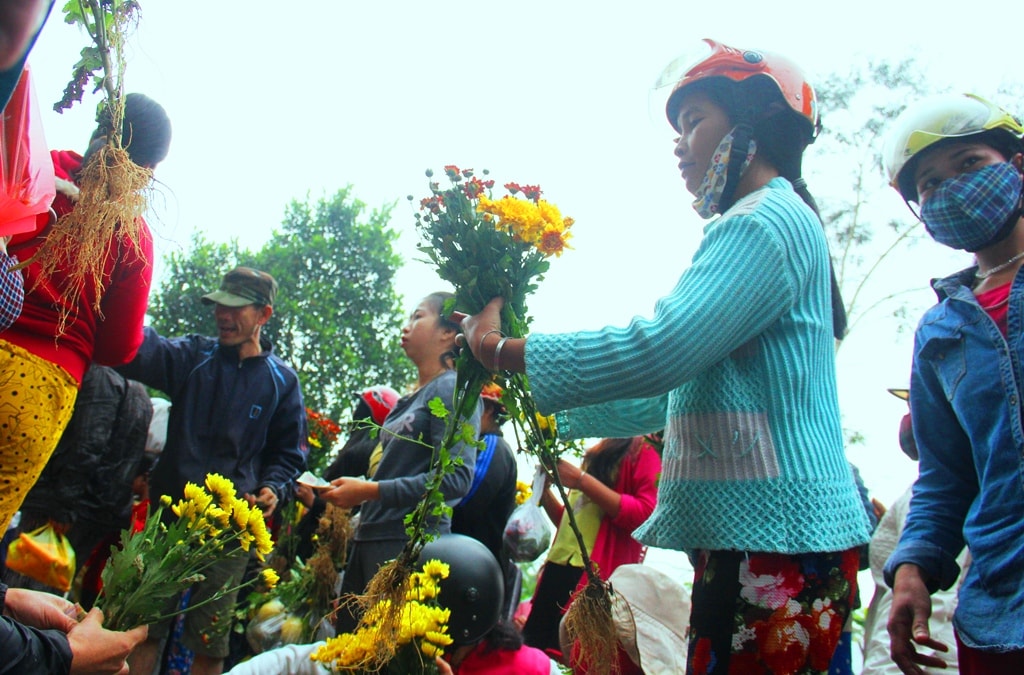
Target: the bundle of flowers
pixel 161 560
pixel 420 635
pixel 323 434
pixel 487 247
pixel 298 609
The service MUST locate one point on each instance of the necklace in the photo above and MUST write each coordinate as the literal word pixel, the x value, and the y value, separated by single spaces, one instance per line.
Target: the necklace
pixel 998 268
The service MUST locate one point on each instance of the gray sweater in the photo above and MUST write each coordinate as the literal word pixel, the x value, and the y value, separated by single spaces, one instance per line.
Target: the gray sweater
pixel 409 438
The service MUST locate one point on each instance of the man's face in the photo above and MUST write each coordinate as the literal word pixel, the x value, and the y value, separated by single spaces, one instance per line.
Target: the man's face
pixel 237 326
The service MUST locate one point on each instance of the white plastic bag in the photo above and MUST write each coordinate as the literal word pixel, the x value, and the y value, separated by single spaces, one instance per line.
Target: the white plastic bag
pixel 528 532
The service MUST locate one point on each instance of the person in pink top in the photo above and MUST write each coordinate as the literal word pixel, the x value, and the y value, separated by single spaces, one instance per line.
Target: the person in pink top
pixel 42 361
pixel 612 492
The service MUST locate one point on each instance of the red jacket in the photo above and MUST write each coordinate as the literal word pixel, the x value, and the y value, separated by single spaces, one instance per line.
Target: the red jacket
pixel 111 340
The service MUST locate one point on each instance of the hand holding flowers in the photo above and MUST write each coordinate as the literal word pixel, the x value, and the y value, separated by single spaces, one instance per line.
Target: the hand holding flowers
pixel 160 561
pixel 493 251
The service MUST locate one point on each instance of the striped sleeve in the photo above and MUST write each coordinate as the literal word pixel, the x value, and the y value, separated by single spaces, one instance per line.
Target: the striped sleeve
pixel 742 280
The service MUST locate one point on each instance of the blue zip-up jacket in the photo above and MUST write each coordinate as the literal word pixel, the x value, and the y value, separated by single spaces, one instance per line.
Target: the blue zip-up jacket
pixel 242 419
pixel 965 400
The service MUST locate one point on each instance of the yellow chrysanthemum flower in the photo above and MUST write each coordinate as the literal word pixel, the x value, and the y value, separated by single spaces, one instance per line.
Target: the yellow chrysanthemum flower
pixel 198 495
pixel 221 488
pixel 240 512
pixel 270 578
pixel 553 242
pixel 219 516
pixel 435 569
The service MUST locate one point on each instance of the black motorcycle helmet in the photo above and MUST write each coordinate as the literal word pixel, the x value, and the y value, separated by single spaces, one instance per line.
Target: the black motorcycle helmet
pixel 474 588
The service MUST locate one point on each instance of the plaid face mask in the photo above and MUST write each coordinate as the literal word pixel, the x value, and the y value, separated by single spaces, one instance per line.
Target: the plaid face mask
pixel 973 210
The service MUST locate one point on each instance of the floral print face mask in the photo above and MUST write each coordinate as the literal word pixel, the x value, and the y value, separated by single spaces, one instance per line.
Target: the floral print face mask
pixel 709 194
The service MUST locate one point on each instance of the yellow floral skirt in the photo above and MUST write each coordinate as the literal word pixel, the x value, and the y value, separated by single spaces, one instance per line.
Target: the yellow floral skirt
pixel 37 398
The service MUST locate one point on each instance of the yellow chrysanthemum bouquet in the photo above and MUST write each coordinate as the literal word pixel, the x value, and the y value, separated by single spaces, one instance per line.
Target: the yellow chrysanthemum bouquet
pixel 161 560
pixel 422 632
pixel 485 248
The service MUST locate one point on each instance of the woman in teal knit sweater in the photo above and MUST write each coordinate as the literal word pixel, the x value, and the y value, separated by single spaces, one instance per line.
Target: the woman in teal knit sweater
pixel 737 365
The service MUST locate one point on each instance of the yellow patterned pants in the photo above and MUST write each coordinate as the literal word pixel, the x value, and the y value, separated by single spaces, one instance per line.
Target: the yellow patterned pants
pixel 37 398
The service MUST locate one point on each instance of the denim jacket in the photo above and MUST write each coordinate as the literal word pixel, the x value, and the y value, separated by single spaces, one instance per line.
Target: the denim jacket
pixel 965 401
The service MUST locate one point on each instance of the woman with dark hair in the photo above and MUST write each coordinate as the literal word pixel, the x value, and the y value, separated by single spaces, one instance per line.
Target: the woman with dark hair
pixel 737 364
pixel 409 441
pixel 960 161
pixel 612 492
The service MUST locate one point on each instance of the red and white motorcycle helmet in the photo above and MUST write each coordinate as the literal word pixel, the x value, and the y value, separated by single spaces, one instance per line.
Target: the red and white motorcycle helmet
pixel 738 65
pixel 381 399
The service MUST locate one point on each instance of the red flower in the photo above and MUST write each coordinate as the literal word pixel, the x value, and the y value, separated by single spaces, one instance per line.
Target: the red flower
pixel 769 581
pixel 827 629
pixel 784 640
pixel 532 192
pixel 702 656
pixel 475 187
pixel 453 172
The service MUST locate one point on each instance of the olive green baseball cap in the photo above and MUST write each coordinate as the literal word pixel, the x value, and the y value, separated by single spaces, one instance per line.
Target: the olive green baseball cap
pixel 244 286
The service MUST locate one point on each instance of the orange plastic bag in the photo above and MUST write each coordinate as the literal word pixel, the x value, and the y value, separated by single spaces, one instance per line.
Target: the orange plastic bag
pixel 44 555
pixel 27 185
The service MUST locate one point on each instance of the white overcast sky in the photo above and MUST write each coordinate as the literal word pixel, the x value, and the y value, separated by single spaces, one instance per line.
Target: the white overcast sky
pixel 271 101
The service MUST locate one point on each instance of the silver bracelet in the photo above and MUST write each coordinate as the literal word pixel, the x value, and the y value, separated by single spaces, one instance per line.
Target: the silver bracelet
pixel 480 345
pixel 497 353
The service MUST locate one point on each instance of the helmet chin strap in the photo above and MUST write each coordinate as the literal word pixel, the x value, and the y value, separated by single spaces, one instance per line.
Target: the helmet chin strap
pixel 742 134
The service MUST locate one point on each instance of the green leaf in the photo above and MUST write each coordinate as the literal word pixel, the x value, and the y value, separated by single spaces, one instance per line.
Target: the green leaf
pixel 437 408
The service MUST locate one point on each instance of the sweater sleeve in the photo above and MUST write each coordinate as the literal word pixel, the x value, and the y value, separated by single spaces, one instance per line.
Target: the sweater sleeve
pixel 742 279
pixel 947 483
pixel 284 453
pixel 615 419
pixel 124 303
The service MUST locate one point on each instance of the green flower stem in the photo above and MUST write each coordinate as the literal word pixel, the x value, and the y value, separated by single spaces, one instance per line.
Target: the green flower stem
pixel 144 603
pixel 213 598
pixel 102 41
pixel 545 451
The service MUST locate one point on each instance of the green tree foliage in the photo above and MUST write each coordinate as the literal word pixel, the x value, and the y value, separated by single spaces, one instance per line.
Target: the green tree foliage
pixel 337 317
pixel 176 307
